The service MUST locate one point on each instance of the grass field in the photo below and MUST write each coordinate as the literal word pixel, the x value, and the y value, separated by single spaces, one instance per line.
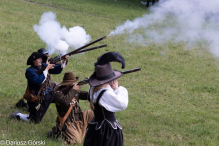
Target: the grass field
pixel 173 101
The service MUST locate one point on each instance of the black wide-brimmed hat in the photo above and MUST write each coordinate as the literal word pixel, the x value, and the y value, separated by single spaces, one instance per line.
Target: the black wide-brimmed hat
pixel 69 78
pixel 34 56
pixel 103 71
pixel 43 51
pixel 103 74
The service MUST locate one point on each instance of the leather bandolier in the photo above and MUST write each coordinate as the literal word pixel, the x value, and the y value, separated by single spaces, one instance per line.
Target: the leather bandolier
pixel 44 87
pixel 72 113
pixel 62 119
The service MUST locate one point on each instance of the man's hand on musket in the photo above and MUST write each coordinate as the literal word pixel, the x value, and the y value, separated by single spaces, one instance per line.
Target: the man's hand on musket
pixel 49 66
pixel 47 60
pixel 76 86
pixel 64 61
pixel 66 57
pixel 70 85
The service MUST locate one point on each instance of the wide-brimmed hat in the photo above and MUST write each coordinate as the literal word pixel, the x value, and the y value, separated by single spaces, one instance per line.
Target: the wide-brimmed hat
pixel 69 78
pixel 103 74
pixel 34 56
pixel 43 51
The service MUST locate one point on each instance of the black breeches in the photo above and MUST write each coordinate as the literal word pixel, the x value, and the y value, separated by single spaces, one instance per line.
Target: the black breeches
pixel 36 116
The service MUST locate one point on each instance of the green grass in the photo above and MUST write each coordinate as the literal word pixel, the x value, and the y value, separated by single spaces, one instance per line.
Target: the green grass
pixel 173 101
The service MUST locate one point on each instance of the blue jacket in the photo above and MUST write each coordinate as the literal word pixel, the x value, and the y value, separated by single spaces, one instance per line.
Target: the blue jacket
pixel 34 80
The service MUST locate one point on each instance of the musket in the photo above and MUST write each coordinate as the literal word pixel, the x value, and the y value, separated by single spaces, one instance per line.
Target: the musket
pixel 86 80
pixel 89 49
pixel 79 50
pixel 131 70
pixel 57 58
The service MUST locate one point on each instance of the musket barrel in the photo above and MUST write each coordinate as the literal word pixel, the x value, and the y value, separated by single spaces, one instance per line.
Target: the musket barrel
pixel 75 51
pixel 85 81
pixel 132 70
pixel 79 50
pixel 97 40
pixel 89 49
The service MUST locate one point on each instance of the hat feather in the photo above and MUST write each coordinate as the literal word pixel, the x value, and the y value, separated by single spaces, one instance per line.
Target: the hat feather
pixel 110 57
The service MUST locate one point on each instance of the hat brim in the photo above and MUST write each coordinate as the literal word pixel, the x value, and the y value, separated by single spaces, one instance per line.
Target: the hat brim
pixel 68 82
pixel 39 55
pixel 94 82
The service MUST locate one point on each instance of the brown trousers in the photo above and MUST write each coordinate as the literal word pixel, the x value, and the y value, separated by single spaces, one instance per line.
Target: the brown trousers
pixel 75 132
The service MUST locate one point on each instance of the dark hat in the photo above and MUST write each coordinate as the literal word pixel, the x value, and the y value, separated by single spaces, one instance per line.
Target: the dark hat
pixel 103 74
pixel 69 78
pixel 34 56
pixel 43 51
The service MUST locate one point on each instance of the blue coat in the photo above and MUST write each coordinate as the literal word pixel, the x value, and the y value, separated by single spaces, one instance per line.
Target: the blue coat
pixel 34 80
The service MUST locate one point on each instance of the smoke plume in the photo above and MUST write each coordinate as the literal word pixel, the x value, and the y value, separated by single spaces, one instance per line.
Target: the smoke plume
pixel 189 21
pixel 59 39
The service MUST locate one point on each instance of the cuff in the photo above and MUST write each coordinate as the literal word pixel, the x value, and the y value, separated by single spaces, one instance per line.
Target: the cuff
pixel 45 73
pixel 63 64
pixel 120 88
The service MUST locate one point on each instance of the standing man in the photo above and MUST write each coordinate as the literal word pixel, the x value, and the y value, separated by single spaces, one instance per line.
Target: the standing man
pixel 148 2
pixel 39 93
pixel 71 121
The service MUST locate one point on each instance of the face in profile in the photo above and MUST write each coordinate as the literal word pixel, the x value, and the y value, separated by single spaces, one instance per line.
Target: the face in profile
pixel 47 55
pixel 37 62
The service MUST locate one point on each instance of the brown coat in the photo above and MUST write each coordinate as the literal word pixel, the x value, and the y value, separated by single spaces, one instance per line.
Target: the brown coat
pixel 77 120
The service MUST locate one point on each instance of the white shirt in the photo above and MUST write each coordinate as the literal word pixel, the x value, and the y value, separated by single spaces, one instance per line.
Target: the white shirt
pixel 112 100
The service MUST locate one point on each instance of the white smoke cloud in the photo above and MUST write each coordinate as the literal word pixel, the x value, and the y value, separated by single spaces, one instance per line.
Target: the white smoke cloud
pixel 189 21
pixel 60 39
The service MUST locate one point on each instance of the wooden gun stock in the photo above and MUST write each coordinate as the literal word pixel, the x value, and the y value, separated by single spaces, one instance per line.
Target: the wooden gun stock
pixel 40 71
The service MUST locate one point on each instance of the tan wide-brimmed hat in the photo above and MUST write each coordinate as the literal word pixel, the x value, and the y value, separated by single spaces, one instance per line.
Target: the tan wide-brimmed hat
pixel 69 78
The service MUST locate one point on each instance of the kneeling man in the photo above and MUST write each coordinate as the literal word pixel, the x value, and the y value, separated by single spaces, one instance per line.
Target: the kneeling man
pixel 71 121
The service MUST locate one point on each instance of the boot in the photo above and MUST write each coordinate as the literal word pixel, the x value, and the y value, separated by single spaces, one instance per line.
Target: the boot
pixel 13 115
pixel 53 133
pixel 21 103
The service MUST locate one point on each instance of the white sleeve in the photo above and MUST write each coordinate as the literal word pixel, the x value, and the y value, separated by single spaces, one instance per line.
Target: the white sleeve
pixel 63 64
pixel 45 73
pixel 115 100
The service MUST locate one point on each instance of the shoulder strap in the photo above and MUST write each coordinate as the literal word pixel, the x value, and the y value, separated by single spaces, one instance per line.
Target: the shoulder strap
pixel 41 87
pixel 62 119
pixel 88 95
pixel 99 96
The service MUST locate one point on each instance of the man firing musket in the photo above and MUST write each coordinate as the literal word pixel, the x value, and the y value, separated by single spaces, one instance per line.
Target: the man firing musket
pixel 58 58
pixel 40 90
